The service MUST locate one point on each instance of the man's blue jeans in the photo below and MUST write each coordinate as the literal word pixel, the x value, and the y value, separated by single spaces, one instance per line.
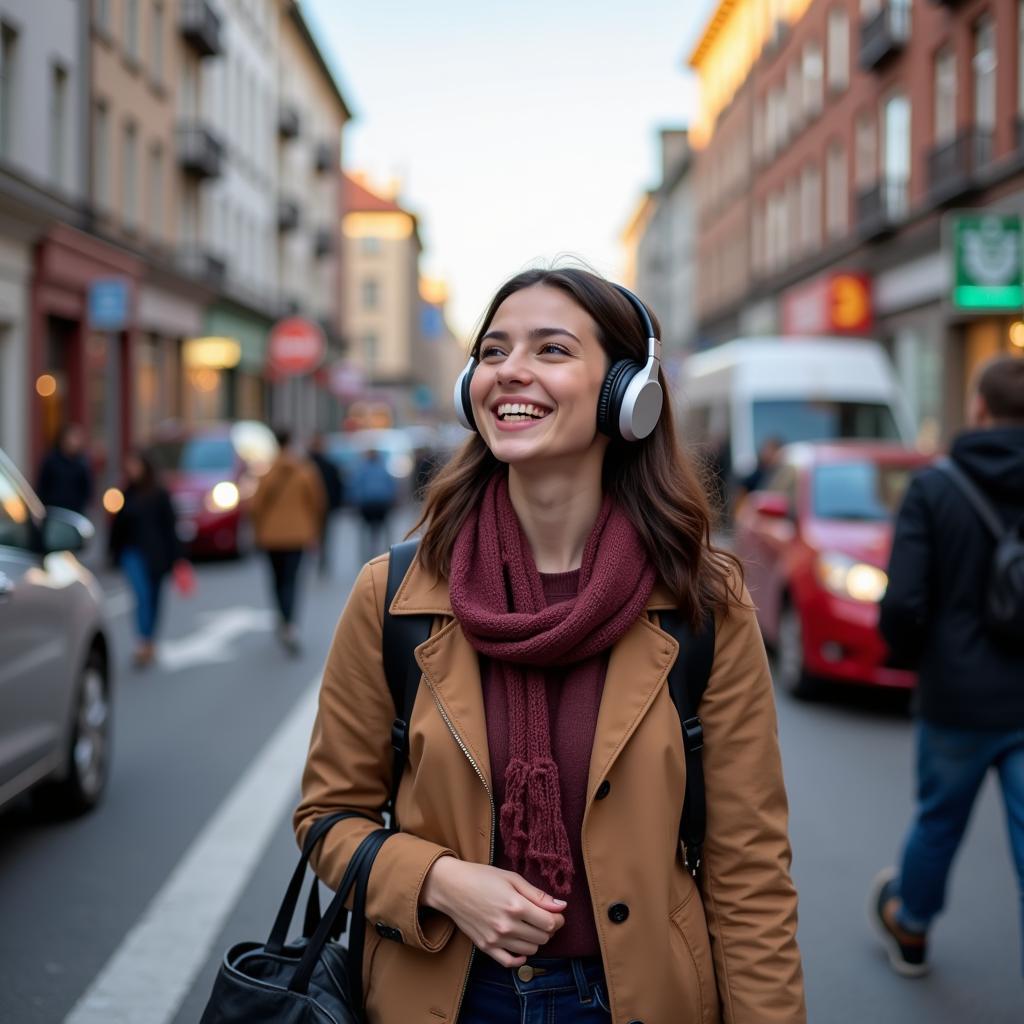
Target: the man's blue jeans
pixel 951 766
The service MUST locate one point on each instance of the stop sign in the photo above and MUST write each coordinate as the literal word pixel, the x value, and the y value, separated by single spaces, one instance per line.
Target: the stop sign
pixel 296 346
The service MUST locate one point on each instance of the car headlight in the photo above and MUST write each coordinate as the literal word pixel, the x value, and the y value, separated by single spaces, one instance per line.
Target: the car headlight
pixel 847 577
pixel 223 497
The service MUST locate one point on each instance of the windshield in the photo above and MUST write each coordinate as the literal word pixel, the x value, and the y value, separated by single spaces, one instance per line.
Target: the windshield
pixel 201 454
pixel 858 490
pixel 803 419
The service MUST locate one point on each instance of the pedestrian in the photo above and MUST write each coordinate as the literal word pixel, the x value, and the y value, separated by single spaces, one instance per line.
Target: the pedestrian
pixel 65 477
pixel 373 493
pixel 539 874
pixel 969 702
pixel 767 460
pixel 330 477
pixel 144 543
pixel 287 513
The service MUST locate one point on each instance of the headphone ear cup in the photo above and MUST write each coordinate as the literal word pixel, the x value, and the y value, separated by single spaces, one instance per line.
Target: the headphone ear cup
pixel 613 390
pixel 463 403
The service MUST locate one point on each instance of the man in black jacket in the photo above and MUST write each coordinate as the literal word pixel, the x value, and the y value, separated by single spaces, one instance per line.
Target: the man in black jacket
pixel 65 479
pixel 970 694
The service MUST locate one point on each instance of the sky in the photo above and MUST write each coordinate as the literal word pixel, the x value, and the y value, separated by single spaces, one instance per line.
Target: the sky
pixel 521 133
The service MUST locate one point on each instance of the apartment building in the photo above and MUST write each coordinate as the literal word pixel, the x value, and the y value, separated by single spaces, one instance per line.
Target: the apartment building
pixel 381 305
pixel 42 180
pixel 663 233
pixel 886 181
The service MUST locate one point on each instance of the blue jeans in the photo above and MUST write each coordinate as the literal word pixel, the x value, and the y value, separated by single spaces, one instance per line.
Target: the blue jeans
pixel 951 766
pixel 568 992
pixel 145 585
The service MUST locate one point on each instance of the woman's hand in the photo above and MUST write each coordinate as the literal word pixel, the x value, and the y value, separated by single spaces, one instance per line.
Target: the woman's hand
pixel 499 911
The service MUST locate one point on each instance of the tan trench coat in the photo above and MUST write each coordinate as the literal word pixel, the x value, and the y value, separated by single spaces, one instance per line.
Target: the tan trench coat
pixel 289 505
pixel 725 953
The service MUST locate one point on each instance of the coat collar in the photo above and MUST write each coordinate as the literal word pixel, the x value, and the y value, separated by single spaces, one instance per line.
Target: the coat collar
pixel 423 593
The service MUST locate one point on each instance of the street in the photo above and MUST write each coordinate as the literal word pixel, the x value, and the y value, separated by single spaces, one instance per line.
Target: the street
pixel 121 916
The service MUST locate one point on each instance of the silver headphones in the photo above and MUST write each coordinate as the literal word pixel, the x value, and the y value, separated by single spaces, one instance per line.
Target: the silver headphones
pixel 631 397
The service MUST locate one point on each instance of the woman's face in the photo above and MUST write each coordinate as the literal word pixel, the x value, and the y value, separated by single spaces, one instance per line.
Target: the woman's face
pixel 539 374
pixel 133 469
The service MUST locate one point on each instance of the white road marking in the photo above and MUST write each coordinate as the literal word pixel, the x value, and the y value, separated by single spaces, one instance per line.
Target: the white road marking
pixel 212 642
pixel 149 975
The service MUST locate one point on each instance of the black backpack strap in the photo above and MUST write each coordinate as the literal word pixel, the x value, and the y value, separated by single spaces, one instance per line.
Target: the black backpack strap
pixel 402 634
pixel 970 490
pixel 687 681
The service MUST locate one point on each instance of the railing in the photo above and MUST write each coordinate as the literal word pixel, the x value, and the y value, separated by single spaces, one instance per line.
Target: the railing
pixel 289 122
pixel 200 25
pixel 884 34
pixel 881 207
pixel 327 158
pixel 323 244
pixel 200 152
pixel 198 261
pixel 954 167
pixel 288 214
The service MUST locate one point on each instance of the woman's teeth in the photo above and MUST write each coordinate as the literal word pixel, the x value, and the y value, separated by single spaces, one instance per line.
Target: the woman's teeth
pixel 517 411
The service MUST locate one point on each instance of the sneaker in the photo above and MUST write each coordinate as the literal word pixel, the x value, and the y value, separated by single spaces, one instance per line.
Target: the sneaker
pixel 907 951
pixel 290 640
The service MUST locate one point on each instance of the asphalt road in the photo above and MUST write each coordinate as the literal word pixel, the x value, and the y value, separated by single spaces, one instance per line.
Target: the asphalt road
pixel 83 900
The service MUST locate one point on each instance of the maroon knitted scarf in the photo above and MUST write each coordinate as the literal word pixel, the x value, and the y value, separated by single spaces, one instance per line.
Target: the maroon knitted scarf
pixel 498 598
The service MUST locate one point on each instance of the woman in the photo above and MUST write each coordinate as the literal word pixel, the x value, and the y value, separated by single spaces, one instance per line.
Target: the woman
pixel 144 542
pixel 539 874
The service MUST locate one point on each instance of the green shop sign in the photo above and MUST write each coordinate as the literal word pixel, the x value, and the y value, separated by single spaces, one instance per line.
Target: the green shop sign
pixel 988 272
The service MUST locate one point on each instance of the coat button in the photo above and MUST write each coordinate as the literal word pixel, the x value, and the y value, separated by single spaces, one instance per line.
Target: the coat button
pixel 618 912
pixel 603 790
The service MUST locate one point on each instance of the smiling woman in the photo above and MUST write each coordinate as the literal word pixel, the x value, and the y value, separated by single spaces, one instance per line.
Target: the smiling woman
pixel 543 733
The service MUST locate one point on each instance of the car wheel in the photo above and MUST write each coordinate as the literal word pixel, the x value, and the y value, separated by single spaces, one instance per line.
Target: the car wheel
pixel 790 673
pixel 88 762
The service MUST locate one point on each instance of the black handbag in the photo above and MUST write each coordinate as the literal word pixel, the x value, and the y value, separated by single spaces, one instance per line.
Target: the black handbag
pixel 313 980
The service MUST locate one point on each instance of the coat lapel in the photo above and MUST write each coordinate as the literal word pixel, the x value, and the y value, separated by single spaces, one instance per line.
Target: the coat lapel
pixel 452 671
pixel 637 669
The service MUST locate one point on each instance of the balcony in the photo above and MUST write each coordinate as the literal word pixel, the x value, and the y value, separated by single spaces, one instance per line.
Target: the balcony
pixel 882 207
pixel 883 35
pixel 949 3
pixel 326 158
pixel 200 152
pixel 200 25
pixel 289 123
pixel 199 262
pixel 323 243
pixel 288 215
pixel 954 167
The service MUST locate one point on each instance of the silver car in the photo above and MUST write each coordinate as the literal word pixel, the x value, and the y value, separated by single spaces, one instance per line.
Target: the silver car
pixel 55 681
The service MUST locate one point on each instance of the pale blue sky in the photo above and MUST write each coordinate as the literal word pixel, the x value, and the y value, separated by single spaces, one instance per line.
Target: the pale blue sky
pixel 520 131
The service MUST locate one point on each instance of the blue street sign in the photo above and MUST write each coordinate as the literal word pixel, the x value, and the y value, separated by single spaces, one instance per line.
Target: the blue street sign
pixel 108 304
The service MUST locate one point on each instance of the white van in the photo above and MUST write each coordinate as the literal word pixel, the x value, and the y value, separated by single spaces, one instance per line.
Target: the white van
pixel 739 394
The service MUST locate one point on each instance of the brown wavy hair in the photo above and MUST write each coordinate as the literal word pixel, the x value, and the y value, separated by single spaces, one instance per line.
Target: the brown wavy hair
pixel 654 480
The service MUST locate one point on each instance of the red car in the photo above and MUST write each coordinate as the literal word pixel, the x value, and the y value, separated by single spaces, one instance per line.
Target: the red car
pixel 211 472
pixel 815 545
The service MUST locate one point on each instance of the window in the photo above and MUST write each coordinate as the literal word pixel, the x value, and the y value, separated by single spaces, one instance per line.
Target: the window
pixel 984 68
pixel 810 208
pixel 8 83
pixel 1020 57
pixel 836 202
pixel 129 177
pixel 896 154
pixel 155 214
pixel 866 152
pixel 371 293
pixel 869 8
pixel 838 55
pixel 58 124
pixel 793 220
pixel 370 244
pixel 101 11
pixel 794 100
pixel 131 28
pixel 945 95
pixel 156 26
pixel 813 79
pixel 101 154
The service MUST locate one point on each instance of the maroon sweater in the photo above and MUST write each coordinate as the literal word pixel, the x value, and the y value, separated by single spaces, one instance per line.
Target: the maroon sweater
pixel 572 710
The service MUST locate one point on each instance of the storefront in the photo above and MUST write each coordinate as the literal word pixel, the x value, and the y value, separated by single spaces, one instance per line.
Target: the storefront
pixel 80 372
pixel 227 381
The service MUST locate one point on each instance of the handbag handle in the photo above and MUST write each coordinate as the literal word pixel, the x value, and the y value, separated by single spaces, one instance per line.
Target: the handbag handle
pixel 358 875
pixel 319 828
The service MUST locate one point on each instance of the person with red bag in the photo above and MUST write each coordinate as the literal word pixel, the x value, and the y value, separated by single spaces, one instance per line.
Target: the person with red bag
pixel 144 543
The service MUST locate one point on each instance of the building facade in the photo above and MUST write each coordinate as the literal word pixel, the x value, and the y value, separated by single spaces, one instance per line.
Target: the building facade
pixel 885 161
